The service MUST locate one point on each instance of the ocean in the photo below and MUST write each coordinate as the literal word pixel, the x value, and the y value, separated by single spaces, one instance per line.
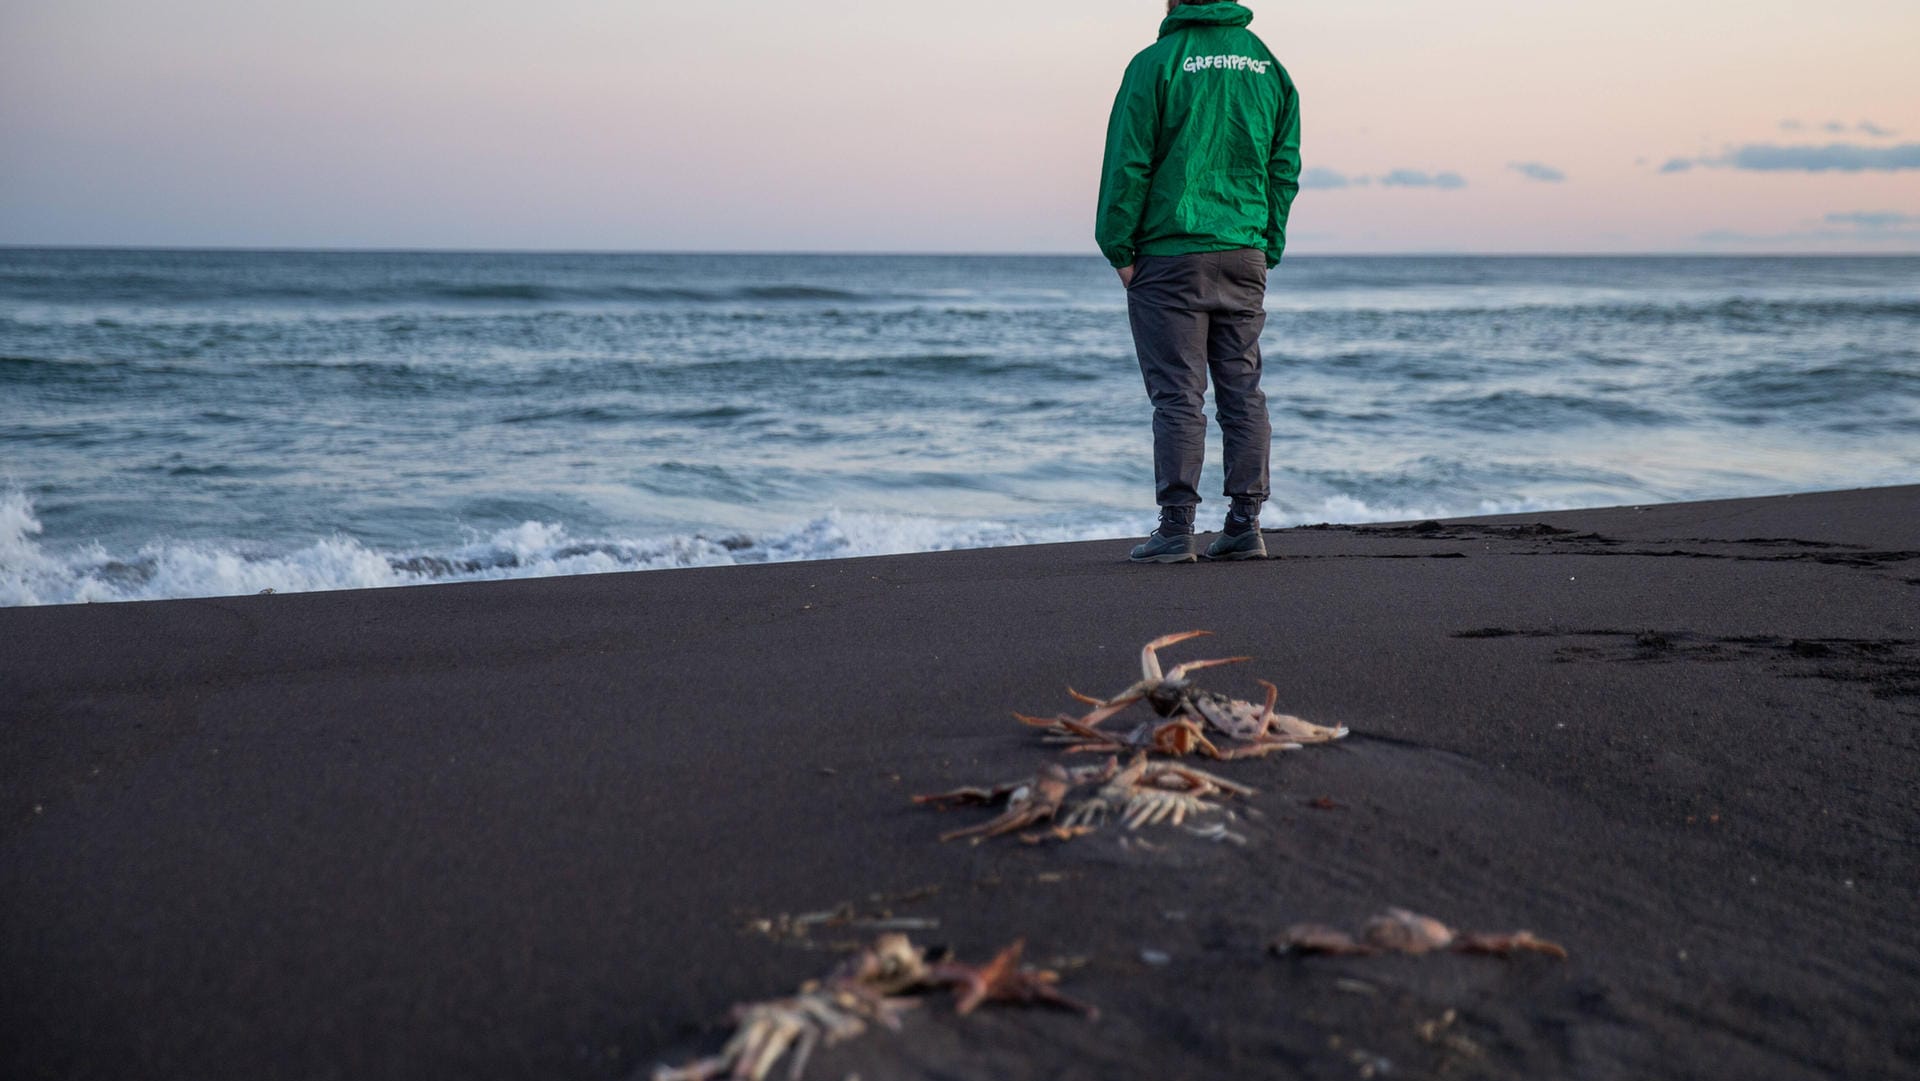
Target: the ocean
pixel 184 423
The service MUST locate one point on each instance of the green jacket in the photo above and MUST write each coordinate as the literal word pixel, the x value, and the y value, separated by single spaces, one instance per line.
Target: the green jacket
pixel 1203 151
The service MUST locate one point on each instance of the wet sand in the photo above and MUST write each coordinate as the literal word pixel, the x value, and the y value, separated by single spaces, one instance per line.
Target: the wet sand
pixel 525 829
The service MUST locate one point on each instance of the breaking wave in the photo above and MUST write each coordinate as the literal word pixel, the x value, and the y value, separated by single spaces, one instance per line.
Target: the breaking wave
pixel 32 575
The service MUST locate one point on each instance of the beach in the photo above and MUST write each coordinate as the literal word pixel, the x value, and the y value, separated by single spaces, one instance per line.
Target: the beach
pixel 540 828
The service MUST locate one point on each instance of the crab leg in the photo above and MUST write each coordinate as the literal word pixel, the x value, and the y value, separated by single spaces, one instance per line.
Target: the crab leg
pixel 1257 750
pixel 1504 945
pixel 1108 709
pixel 802 1051
pixel 1294 727
pixel 1150 661
pixel 1092 739
pixel 968 797
pixel 1201 778
pixel 1025 807
pixel 1266 715
pixel 1179 671
pixel 1107 706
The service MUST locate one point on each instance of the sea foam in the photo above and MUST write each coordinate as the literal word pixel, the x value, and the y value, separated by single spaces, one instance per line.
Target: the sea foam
pixel 30 574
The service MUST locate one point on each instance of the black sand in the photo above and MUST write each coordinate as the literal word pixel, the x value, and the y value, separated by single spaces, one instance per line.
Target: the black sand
pixel 519 829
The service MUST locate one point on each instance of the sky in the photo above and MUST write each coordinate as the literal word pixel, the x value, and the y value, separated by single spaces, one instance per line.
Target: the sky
pixel 783 125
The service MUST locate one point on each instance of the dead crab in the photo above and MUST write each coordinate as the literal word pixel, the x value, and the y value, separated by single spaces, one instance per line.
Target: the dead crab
pixel 1029 803
pixel 868 987
pixel 1399 931
pixel 865 988
pixel 1190 713
pixel 1145 793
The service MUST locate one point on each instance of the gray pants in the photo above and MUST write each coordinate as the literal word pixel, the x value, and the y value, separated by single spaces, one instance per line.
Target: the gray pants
pixel 1193 315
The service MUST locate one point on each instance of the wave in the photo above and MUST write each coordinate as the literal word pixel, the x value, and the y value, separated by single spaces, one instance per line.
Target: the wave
pixel 797 292
pixel 533 292
pixel 31 575
pixel 1783 388
pixel 1513 410
pixel 32 371
pixel 161 290
pixel 1736 311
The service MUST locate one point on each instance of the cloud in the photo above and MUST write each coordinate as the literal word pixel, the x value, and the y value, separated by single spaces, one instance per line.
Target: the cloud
pixel 1335 180
pixel 1325 180
pixel 1838 157
pixel 1414 178
pixel 1845 230
pixel 1835 158
pixel 1835 127
pixel 1874 219
pixel 1533 170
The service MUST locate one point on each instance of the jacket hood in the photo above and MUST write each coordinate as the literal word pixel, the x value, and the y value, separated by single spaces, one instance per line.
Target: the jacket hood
pixel 1206 14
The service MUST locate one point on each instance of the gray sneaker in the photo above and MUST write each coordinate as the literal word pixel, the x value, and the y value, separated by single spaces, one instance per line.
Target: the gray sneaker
pixel 1164 549
pixel 1248 545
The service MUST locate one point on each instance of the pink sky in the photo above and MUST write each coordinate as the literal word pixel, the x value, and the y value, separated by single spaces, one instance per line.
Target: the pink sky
pixel 863 126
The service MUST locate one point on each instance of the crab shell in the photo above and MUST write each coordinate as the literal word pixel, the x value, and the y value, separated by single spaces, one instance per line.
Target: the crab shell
pixel 1407 932
pixel 1236 717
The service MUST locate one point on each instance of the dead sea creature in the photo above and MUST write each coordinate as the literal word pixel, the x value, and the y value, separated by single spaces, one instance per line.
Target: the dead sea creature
pixel 800 927
pixel 1029 802
pixel 1145 793
pixel 865 989
pixel 1399 931
pixel 1191 713
pixel 1005 979
pixel 1148 793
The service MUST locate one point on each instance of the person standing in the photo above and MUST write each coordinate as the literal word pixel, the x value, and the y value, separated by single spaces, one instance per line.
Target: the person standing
pixel 1202 165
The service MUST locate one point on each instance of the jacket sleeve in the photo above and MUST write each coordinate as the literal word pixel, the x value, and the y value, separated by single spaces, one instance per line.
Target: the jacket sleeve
pixel 1283 170
pixel 1128 173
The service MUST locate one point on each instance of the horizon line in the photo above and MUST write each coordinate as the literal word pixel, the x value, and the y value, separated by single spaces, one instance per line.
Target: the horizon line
pixel 1658 253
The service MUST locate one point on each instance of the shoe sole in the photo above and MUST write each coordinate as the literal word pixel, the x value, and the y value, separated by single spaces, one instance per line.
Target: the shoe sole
pixel 1170 557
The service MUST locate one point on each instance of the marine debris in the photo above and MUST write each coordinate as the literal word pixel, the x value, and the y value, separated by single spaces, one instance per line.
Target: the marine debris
pixel 1144 793
pixel 1194 721
pixel 1398 930
pixel 868 988
pixel 844 916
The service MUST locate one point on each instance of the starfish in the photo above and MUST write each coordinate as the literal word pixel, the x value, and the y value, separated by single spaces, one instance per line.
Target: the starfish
pixel 1005 979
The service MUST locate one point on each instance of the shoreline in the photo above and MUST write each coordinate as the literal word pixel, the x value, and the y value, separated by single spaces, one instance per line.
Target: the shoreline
pixel 528 826
pixel 734 541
